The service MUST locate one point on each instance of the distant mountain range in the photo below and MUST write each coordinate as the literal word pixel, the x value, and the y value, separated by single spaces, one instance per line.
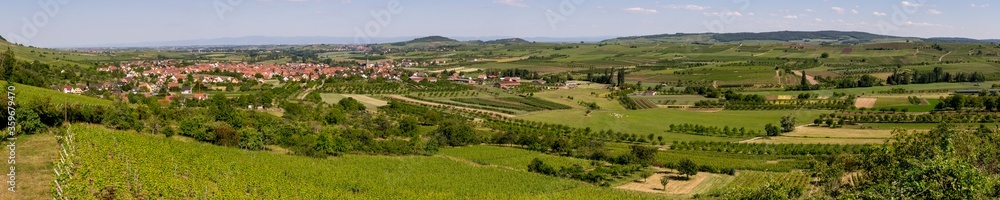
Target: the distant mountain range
pixel 268 40
pixel 837 37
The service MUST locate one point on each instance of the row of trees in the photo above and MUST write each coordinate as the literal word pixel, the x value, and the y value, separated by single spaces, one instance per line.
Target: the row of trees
pixel 934 76
pixel 768 149
pixel 976 103
pixel 939 117
pixel 696 129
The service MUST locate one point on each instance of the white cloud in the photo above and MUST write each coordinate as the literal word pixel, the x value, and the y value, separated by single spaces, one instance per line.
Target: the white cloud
pixel 911 23
pixel 686 7
pixel 716 14
pixel 876 13
pixel 791 17
pixel 515 3
pixel 980 6
pixel 641 10
pixel 750 14
pixel 819 20
pixel 810 10
pixel 840 10
pixel 934 12
pixel 910 4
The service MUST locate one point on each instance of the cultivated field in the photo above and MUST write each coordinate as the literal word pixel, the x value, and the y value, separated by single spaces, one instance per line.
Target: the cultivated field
pixel 150 166
pixel 369 102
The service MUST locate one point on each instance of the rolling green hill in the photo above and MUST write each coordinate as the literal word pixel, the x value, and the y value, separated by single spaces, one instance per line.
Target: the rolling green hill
pixel 432 39
pixel 52 56
pixel 507 41
pixel 27 93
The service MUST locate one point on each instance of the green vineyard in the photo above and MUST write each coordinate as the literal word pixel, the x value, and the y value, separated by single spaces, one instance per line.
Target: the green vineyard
pixel 127 165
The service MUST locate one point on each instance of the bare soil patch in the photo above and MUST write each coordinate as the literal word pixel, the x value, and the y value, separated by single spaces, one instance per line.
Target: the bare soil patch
pixel 367 100
pixel 864 102
pixel 676 187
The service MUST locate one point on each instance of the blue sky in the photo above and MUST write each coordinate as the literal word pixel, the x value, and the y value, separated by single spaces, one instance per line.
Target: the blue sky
pixel 53 23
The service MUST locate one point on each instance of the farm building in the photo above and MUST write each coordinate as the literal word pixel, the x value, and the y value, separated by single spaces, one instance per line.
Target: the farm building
pixel 507 84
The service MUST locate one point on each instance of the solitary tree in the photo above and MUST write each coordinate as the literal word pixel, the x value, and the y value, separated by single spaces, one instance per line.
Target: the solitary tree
pixel 787 123
pixel 804 82
pixel 772 130
pixel 687 167
pixel 663 181
pixel 645 175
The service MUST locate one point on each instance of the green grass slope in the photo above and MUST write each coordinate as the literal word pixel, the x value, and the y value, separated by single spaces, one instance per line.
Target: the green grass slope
pixel 138 166
pixel 509 157
pixel 51 56
pixel 31 94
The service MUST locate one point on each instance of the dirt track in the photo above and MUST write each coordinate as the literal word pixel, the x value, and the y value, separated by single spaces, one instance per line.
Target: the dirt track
pixel 811 79
pixel 942 56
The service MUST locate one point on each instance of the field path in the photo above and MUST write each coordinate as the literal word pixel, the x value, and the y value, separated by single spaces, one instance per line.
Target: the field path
pixel 811 79
pixel 449 106
pixel 310 90
pixel 942 56
pixel 777 75
pixel 34 159
pixel 462 160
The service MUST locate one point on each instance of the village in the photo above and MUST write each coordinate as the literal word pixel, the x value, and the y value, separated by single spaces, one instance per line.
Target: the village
pixel 168 78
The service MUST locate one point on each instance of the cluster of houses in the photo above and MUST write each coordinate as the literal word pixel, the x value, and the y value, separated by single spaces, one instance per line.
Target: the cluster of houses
pixel 148 77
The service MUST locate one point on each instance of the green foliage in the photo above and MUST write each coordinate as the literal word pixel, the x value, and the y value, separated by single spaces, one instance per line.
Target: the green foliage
pixel 643 154
pixel 29 121
pixel 169 131
pixel 772 130
pixel 769 149
pixel 135 166
pixel 121 117
pixel 251 139
pixel 455 133
pixel 538 166
pixel 193 126
pixel 787 123
pixel 7 63
pixel 764 185
pixel 938 164
pixel 770 190
pixel 334 116
pixel 314 97
pixel 663 181
pixel 687 167
pixel 697 129
pixel 350 104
